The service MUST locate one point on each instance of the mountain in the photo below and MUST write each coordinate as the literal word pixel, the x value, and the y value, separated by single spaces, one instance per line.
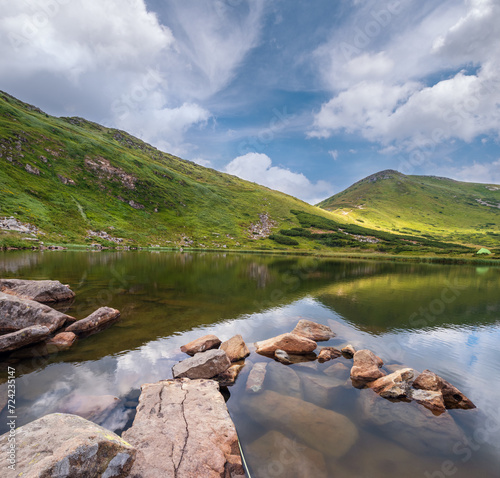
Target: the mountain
pixel 445 209
pixel 68 180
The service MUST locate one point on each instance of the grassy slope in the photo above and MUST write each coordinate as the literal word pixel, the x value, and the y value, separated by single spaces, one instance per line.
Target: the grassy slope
pixel 440 207
pixel 202 204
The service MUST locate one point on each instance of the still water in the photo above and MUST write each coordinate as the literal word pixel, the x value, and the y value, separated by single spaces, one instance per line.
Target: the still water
pixel 438 317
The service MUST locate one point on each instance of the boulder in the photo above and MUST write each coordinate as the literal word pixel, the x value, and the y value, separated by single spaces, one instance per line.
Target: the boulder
pixel 58 343
pixel 21 338
pixel 328 432
pixel 283 380
pixel 68 446
pixel 366 367
pixel 348 351
pixel 395 385
pixel 290 343
pixel 453 398
pixel 207 342
pixel 274 454
pixel 17 314
pixel 203 365
pixel 256 378
pixel 321 389
pixel 38 290
pixel 91 407
pixel 183 429
pixel 228 377
pixel 283 357
pixel 313 331
pixel 95 322
pixel 433 401
pixel 328 353
pixel 235 348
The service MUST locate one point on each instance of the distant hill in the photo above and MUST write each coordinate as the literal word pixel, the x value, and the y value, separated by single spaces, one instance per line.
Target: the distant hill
pixel 422 205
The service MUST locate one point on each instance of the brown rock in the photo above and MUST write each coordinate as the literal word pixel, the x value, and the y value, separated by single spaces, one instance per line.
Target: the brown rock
pixel 228 377
pixel 395 385
pixel 433 401
pixel 68 446
pixel 235 348
pixel 203 365
pixel 366 366
pixel 207 342
pixel 321 389
pixel 348 351
pixel 21 338
pixel 274 454
pixel 58 343
pixel 256 378
pixel 91 407
pixel 37 290
pixel 328 353
pixel 290 343
pixel 313 331
pixel 183 429
pixel 17 314
pixel 326 431
pixel 453 398
pixel 337 369
pixel 95 322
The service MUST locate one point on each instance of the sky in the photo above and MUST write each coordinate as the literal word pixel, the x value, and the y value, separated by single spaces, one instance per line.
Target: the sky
pixel 302 97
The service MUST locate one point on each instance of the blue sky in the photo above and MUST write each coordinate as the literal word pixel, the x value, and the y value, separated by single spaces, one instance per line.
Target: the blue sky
pixel 304 97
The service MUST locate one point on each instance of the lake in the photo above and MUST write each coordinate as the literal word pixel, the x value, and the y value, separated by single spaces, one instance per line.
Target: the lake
pixel 445 318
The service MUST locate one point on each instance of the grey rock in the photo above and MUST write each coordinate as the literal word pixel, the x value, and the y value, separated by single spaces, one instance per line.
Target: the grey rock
pixel 38 290
pixel 95 322
pixel 256 377
pixel 283 380
pixel 21 338
pixel 283 357
pixel 203 365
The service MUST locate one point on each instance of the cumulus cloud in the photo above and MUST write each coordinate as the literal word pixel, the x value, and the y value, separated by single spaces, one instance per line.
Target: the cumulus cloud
pixel 477 172
pixel 258 168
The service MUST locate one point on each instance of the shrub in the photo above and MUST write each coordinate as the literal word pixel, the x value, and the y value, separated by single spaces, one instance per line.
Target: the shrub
pixel 285 240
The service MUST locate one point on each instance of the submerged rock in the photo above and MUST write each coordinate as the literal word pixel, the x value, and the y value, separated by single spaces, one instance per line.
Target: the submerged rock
pixel 58 343
pixel 207 342
pixel 17 314
pixel 235 348
pixel 366 367
pixel 256 377
pixel 348 351
pixel 283 380
pixel 229 376
pixel 203 365
pixel 95 322
pixel 395 385
pixel 321 389
pixel 183 429
pixel 328 353
pixel 290 343
pixel 38 290
pixel 21 338
pixel 313 331
pixel 67 446
pixel 337 369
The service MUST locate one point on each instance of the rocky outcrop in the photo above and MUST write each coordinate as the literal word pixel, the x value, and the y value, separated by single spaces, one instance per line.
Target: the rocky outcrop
pixel 203 365
pixel 183 429
pixel 313 331
pixel 207 342
pixel 95 322
pixel 21 338
pixel 348 351
pixel 366 367
pixel 17 314
pixel 328 353
pixel 256 377
pixel 395 385
pixel 453 398
pixel 38 290
pixel 297 418
pixel 290 343
pixel 68 446
pixel 235 348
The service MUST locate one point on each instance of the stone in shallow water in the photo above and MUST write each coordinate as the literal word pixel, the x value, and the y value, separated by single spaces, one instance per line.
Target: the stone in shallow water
pixel 290 343
pixel 23 337
pixel 95 322
pixel 38 290
pixel 283 357
pixel 366 366
pixel 326 431
pixel 256 377
pixel 313 330
pixel 203 365
pixel 395 385
pixel 348 351
pixel 328 353
pixel 275 455
pixel 202 344
pixel 337 370
pixel 321 389
pixel 434 401
pixel 229 376
pixel 235 348
pixel 283 380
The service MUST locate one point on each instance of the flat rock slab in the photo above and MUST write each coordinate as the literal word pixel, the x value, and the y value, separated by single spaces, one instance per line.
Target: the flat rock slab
pixel 38 290
pixel 67 446
pixel 17 314
pixel 95 322
pixel 290 343
pixel 183 429
pixel 202 344
pixel 235 348
pixel 313 331
pixel 203 365
pixel 21 338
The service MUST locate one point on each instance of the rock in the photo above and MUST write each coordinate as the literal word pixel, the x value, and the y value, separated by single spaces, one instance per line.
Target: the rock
pixel 17 314
pixel 453 398
pixel 235 348
pixel 21 338
pixel 310 366
pixel 68 446
pixel 203 365
pixel 207 342
pixel 91 407
pixel 283 380
pixel 290 343
pixel 256 378
pixel 394 367
pixel 283 357
pixel 337 370
pixel 58 343
pixel 37 290
pixel 228 377
pixel 328 353
pixel 274 454
pixel 299 359
pixel 366 366
pixel 95 322
pixel 348 351
pixel 323 430
pixel 313 331
pixel 395 385
pixel 320 389
pixel 183 429
pixel 433 401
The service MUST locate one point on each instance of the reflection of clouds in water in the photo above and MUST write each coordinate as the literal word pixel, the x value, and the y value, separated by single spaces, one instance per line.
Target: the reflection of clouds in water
pixel 13 262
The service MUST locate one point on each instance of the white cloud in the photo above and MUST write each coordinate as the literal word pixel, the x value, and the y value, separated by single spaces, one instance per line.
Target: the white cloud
pixel 477 172
pixel 258 168
pixel 334 154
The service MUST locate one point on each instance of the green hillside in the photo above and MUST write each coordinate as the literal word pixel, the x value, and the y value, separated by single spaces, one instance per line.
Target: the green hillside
pixel 442 208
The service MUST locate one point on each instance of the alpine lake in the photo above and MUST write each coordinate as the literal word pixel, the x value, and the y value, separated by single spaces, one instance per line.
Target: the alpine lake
pixel 445 318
